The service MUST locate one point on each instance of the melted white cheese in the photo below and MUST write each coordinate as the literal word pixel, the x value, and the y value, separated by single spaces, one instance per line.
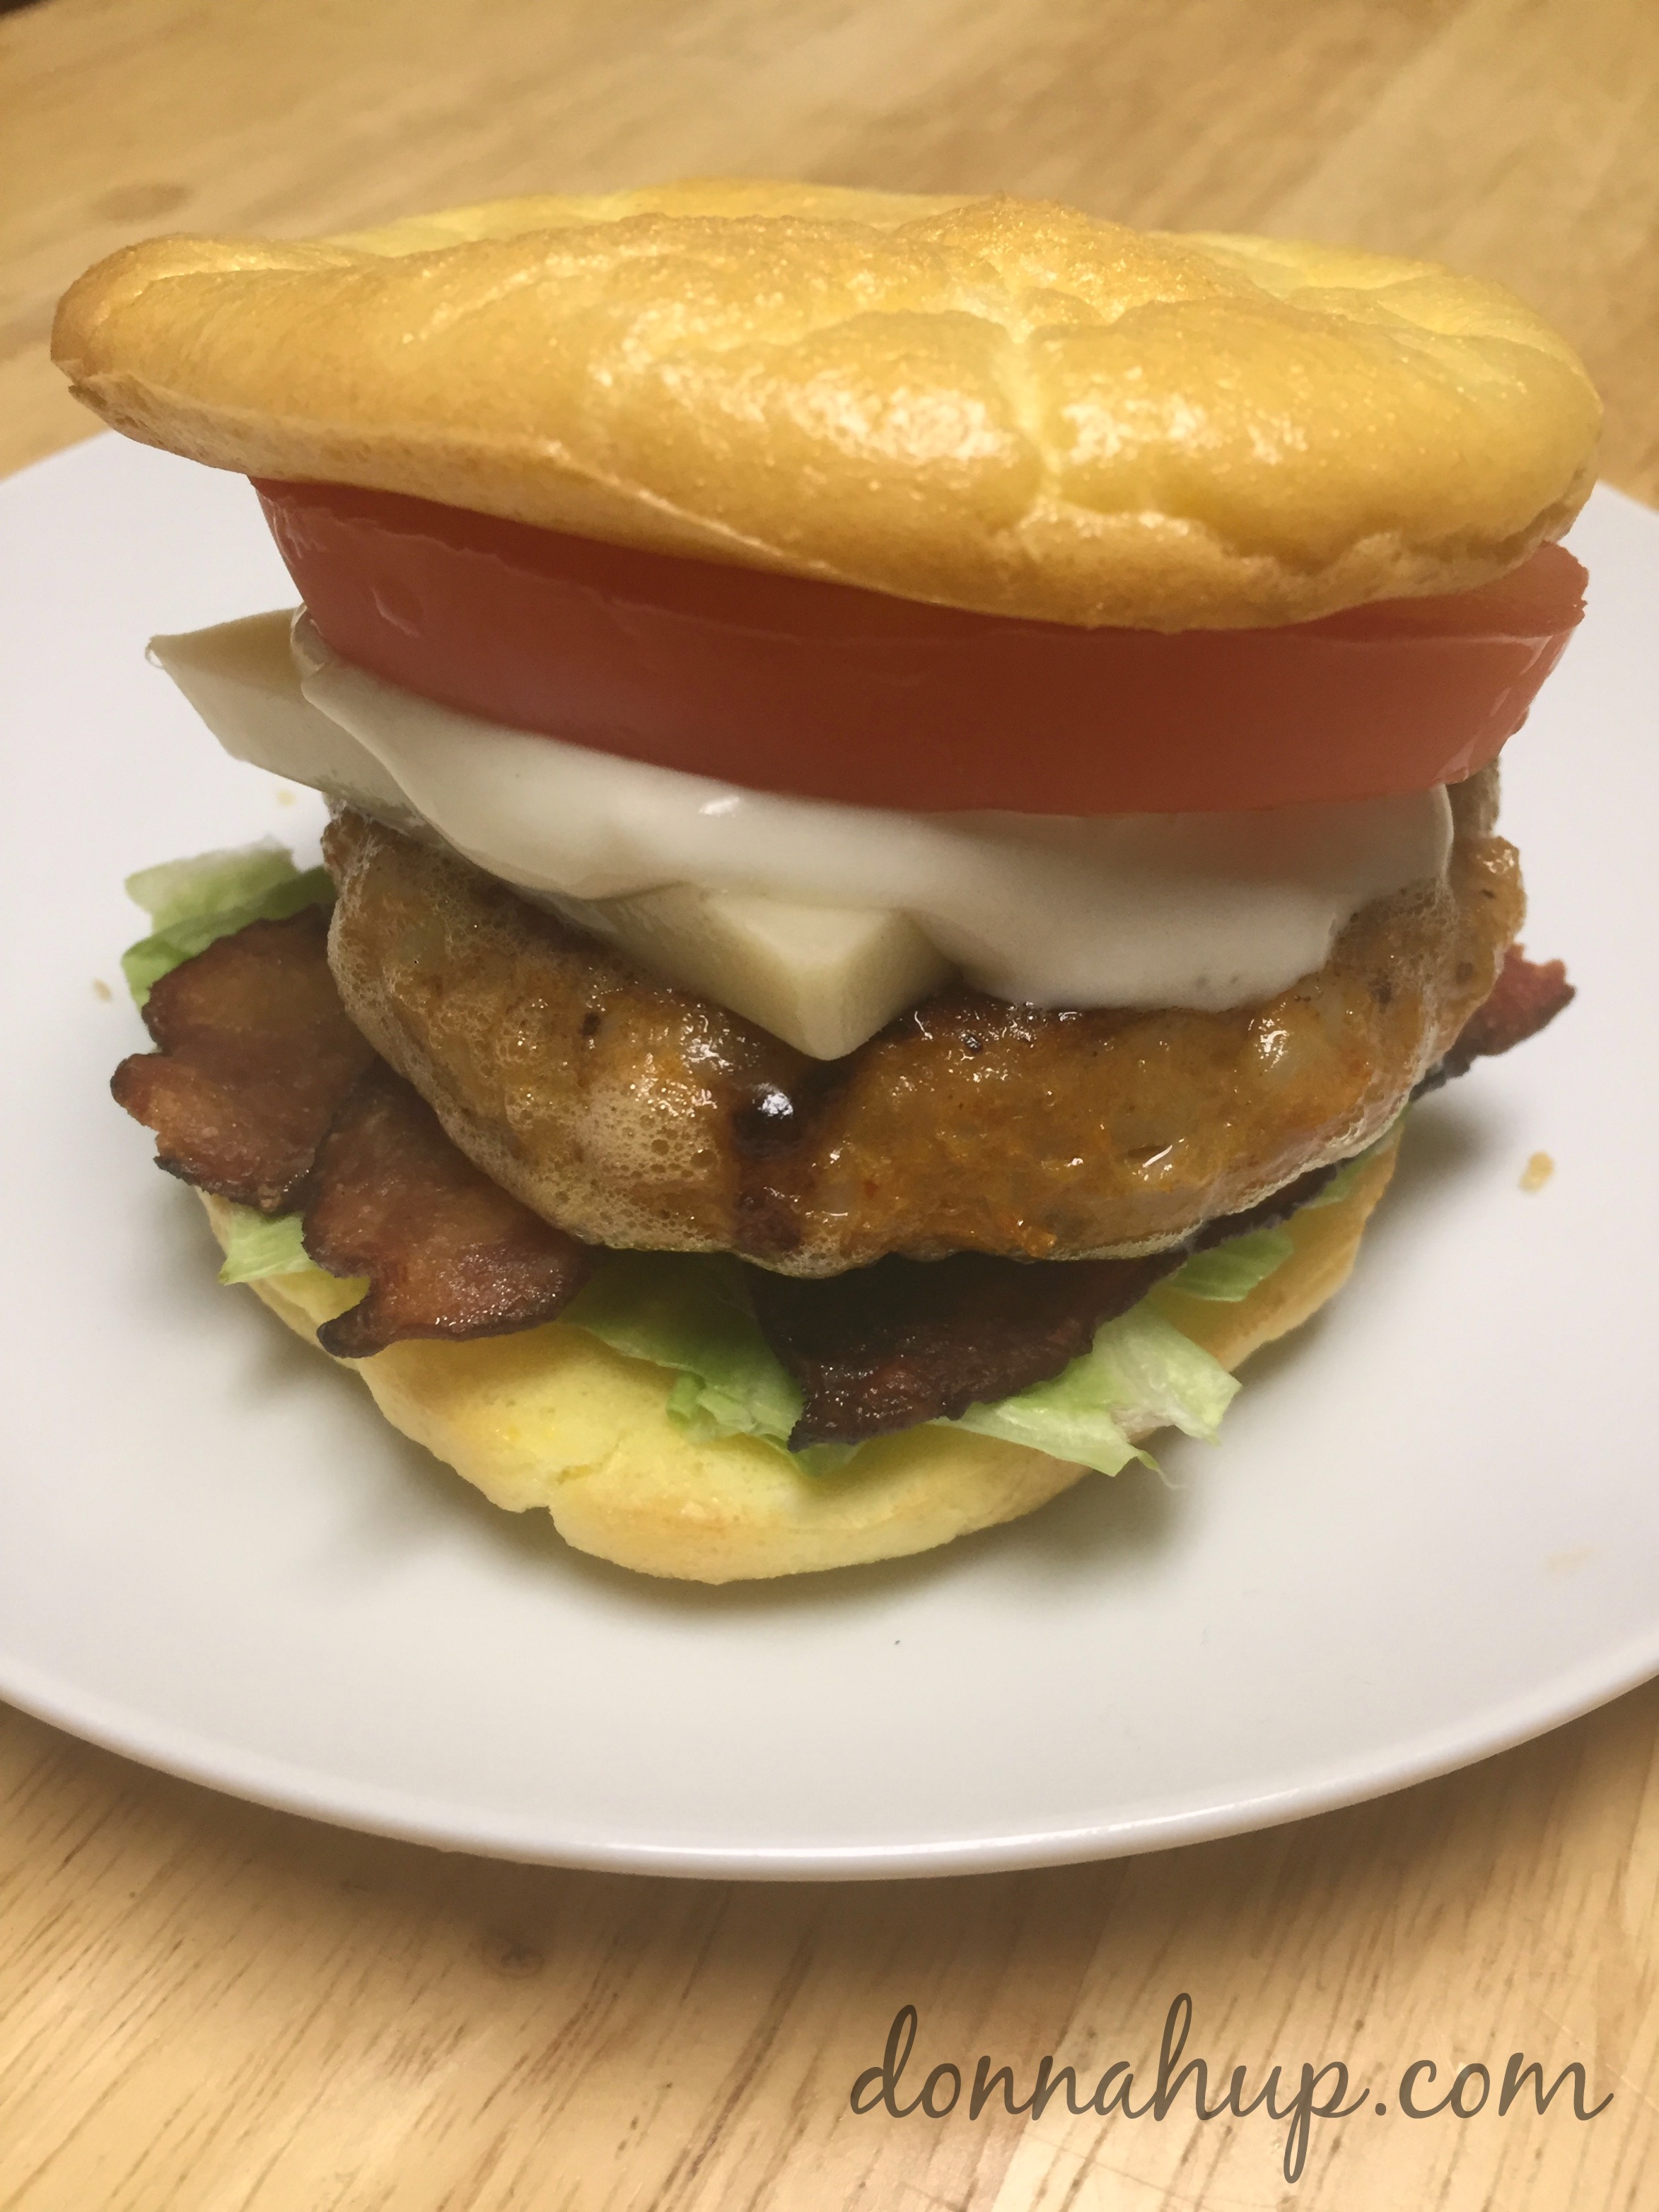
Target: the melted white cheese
pixel 822 921
pixel 1202 910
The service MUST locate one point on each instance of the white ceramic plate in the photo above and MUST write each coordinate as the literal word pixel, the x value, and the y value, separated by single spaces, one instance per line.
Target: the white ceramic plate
pixel 1432 1528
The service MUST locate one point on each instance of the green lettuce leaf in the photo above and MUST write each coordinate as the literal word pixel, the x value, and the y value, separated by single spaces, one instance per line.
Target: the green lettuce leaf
pixel 1230 1271
pixel 193 903
pixel 690 1311
pixel 258 1244
pixel 1141 1371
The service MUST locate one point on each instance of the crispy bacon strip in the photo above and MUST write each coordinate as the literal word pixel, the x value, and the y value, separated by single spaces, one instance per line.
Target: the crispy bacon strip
pixel 1527 997
pixel 256 1053
pixel 263 1090
pixel 908 1341
pixel 446 1251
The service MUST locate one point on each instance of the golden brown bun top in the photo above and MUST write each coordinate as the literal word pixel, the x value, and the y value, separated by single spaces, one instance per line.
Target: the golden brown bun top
pixel 994 403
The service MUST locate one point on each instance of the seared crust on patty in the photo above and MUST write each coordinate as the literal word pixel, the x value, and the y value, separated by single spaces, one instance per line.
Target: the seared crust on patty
pixel 635 1114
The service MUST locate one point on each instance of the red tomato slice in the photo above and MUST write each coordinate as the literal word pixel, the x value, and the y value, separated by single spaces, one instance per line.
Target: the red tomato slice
pixel 783 683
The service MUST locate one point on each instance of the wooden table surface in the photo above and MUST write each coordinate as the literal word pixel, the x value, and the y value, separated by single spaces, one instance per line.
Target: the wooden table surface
pixel 204 2006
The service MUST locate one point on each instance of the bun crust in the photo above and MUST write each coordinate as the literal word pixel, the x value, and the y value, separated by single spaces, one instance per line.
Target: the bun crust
pixel 553 1417
pixel 990 404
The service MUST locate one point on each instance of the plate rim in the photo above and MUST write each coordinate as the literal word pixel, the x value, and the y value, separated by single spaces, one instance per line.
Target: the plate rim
pixel 286 1786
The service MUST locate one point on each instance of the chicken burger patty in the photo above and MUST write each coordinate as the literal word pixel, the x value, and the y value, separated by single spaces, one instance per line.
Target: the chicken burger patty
pixel 633 1114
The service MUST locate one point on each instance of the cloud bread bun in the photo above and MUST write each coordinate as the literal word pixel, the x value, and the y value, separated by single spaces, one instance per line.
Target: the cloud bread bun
pixel 553 1417
pixel 990 404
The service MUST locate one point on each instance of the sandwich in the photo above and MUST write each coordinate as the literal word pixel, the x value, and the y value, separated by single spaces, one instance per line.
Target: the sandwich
pixel 913 786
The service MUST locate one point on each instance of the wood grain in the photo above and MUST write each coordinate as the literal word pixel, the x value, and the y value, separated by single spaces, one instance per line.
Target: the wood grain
pixel 203 2006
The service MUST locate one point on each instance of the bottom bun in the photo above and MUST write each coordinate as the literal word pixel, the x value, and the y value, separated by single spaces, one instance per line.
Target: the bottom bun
pixel 551 1416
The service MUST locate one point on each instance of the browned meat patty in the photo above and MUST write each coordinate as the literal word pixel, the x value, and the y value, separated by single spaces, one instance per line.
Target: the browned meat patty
pixel 447 1253
pixel 908 1341
pixel 637 1114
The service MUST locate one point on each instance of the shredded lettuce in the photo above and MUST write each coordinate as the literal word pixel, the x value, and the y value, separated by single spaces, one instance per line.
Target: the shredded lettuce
pixel 690 1311
pixel 1142 1371
pixel 1230 1271
pixel 260 1244
pixel 193 903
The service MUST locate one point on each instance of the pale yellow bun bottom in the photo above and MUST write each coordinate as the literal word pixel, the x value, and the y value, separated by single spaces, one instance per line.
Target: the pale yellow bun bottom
pixel 553 1417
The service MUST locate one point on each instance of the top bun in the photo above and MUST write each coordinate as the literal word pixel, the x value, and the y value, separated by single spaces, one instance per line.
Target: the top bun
pixel 993 404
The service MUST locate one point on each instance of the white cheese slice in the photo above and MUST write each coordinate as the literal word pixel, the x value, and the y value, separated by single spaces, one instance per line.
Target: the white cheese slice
pixel 819 921
pixel 240 678
pixel 823 978
pixel 1207 910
